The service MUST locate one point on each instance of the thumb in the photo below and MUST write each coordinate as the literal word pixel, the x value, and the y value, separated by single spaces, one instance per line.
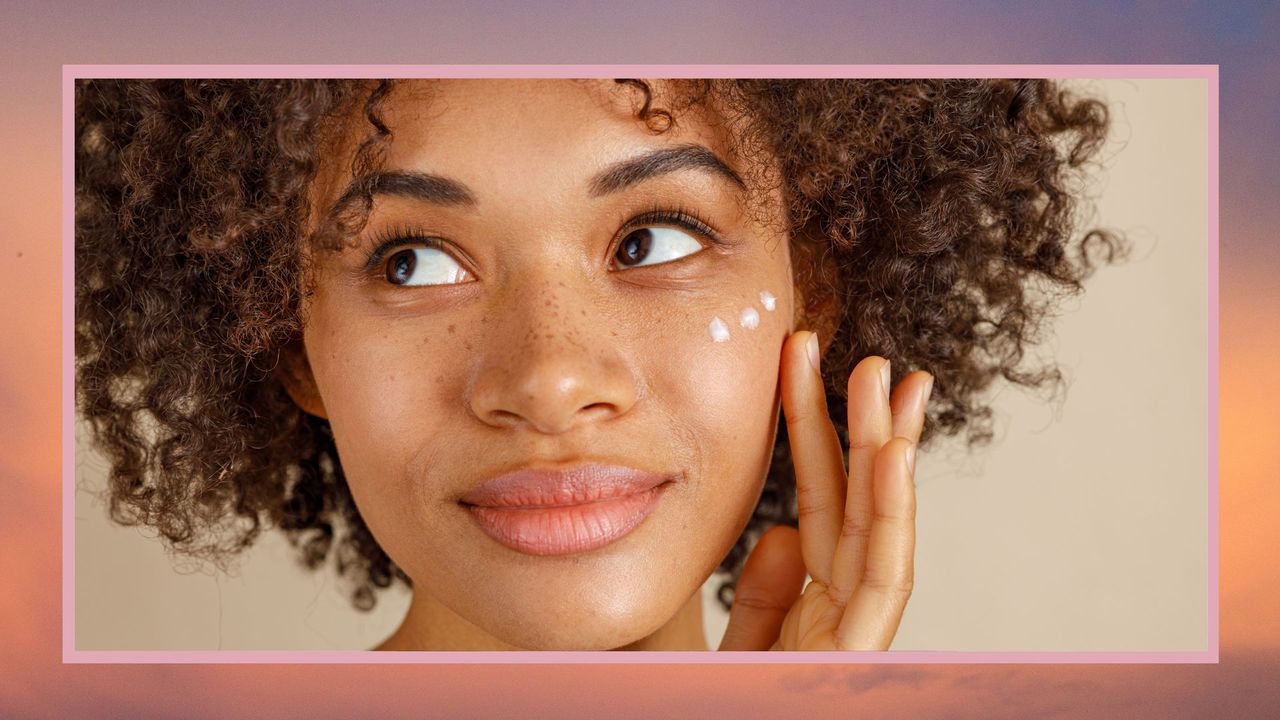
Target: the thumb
pixel 769 585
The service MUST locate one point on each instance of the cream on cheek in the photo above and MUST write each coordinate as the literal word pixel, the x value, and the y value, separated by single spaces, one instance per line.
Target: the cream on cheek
pixel 748 318
pixel 735 382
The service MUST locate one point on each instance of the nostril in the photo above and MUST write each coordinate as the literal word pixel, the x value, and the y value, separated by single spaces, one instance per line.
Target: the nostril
pixel 600 409
pixel 549 423
pixel 505 418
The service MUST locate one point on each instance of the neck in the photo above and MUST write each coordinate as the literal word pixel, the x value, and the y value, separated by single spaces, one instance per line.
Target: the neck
pixel 430 625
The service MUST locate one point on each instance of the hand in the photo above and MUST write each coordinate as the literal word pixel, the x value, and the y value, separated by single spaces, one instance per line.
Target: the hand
pixel 857 531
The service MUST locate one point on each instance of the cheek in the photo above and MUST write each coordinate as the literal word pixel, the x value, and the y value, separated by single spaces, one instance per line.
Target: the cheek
pixel 372 380
pixel 723 362
pixel 383 392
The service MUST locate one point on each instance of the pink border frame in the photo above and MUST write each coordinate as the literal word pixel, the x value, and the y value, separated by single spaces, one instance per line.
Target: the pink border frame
pixel 70 73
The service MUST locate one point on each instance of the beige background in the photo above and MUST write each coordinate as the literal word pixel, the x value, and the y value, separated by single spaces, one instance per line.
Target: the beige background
pixel 1082 527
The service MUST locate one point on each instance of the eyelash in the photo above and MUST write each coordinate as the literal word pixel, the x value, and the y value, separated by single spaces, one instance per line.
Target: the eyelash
pixel 397 236
pixel 679 216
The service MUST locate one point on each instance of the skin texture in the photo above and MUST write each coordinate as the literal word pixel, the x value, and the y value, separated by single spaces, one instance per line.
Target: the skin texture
pixel 549 355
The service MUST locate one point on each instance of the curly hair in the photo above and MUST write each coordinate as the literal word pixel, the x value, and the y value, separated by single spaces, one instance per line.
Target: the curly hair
pixel 939 218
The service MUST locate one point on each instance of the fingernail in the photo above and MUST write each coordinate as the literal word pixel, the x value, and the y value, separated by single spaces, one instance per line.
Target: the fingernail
pixel 928 392
pixel 811 348
pixel 911 458
pixel 884 377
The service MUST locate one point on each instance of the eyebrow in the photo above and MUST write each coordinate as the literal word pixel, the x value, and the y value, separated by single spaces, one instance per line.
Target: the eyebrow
pixel 408 184
pixel 439 190
pixel 626 173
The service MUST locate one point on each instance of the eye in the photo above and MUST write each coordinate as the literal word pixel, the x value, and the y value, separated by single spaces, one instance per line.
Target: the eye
pixel 423 266
pixel 655 245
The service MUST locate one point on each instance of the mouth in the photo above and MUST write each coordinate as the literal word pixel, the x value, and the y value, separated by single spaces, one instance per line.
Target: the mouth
pixel 566 511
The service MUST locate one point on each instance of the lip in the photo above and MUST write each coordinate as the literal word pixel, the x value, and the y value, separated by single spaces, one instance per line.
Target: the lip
pixel 564 511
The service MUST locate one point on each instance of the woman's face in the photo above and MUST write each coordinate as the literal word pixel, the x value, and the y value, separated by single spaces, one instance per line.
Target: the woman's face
pixel 526 305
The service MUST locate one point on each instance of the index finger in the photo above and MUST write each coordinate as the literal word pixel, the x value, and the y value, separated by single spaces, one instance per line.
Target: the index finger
pixel 816 453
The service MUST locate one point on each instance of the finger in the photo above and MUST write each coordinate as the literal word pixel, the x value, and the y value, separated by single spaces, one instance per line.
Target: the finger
pixel 875 609
pixel 816 454
pixel 908 403
pixel 767 589
pixel 870 427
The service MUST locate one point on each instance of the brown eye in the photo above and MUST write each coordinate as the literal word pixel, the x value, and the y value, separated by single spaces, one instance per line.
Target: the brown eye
pixel 400 267
pixel 655 245
pixel 635 247
pixel 423 266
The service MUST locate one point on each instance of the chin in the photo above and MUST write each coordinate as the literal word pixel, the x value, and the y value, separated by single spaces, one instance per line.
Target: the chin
pixel 583 638
pixel 587 622
pixel 602 613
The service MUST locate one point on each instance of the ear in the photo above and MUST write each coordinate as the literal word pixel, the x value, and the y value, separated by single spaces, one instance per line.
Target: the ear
pixel 294 372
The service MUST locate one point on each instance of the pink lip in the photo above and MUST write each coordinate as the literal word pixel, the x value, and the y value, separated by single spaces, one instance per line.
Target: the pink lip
pixel 560 512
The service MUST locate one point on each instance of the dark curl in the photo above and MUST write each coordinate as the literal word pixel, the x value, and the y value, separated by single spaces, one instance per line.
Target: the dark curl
pixel 937 218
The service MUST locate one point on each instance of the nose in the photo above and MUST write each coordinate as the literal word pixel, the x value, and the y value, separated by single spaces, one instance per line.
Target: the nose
pixel 548 365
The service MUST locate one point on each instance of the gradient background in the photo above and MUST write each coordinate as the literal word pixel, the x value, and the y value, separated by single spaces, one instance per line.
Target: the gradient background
pixel 34 44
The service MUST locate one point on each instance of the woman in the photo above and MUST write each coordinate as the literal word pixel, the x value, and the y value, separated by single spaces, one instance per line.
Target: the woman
pixel 523 343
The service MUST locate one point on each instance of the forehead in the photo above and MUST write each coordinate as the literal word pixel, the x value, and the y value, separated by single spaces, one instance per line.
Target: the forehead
pixel 540 114
pixel 541 132
pixel 536 110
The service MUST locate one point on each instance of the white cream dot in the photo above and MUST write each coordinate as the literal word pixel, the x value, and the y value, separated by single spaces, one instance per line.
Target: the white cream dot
pixel 750 319
pixel 719 331
pixel 768 300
